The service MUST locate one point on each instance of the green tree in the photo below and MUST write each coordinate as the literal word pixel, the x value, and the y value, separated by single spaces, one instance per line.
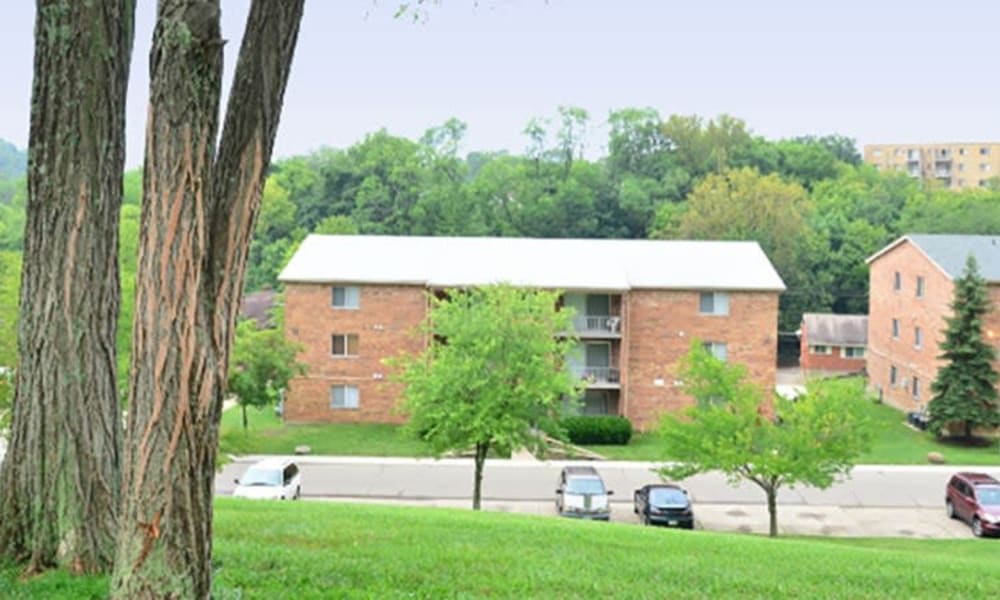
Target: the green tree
pixel 965 387
pixel 493 374
pixel 808 441
pixel 260 366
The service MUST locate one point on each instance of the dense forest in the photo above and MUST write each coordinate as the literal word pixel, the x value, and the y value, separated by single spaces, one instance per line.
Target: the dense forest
pixel 815 209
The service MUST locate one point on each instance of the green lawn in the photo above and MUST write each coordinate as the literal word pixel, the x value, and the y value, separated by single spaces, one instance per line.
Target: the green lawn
pixel 317 550
pixel 894 444
pixel 268 435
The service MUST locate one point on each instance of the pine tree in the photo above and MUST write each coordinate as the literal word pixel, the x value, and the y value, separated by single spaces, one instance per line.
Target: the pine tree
pixel 965 389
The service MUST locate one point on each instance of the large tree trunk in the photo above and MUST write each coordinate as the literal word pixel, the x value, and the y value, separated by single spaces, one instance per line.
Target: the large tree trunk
pixel 198 216
pixel 60 483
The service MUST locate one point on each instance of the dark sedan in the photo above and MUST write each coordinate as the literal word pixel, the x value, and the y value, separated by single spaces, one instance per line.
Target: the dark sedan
pixel 664 504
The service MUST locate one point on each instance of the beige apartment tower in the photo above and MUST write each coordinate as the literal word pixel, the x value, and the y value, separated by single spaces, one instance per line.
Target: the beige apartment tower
pixel 957 166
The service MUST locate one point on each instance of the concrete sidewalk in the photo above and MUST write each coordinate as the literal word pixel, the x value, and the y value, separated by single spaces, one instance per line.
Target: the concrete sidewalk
pixel 832 521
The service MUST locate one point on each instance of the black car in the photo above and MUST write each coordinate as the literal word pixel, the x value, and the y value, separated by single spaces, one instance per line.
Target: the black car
pixel 664 504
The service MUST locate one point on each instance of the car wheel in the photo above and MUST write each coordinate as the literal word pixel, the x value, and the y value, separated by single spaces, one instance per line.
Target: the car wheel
pixel 977 527
pixel 645 520
pixel 298 493
pixel 950 509
pixel 688 525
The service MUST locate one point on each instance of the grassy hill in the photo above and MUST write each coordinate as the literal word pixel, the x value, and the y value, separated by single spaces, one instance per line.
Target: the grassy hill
pixel 326 550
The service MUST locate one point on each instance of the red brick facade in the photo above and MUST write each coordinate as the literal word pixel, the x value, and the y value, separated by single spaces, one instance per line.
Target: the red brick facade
pixel 834 361
pixel 889 353
pixel 656 330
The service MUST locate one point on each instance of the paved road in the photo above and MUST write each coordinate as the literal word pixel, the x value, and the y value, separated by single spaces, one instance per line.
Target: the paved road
pixel 391 478
pixel 876 501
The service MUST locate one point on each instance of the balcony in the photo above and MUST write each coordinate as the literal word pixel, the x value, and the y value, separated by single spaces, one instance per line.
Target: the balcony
pixel 599 377
pixel 595 326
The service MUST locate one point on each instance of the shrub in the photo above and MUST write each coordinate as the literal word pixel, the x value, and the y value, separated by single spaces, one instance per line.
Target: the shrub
pixel 598 429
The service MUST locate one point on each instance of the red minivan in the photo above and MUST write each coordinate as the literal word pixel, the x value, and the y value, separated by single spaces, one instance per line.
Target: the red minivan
pixel 974 498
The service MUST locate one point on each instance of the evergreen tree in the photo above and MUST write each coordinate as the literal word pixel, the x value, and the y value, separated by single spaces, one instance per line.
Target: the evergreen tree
pixel 965 389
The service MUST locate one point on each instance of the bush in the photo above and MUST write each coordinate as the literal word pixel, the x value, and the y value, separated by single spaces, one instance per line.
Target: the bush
pixel 598 429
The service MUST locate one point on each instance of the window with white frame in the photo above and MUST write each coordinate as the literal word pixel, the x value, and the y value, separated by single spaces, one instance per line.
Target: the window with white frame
pixel 852 352
pixel 897 281
pixel 895 328
pixel 893 375
pixel 820 349
pixel 344 397
pixel 713 303
pixel 718 350
pixel 920 287
pixel 344 344
pixel 918 338
pixel 348 297
pixel 916 388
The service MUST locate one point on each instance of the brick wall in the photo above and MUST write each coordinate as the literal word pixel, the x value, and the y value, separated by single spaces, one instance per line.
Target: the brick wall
pixel 659 326
pixel 833 362
pixel 928 313
pixel 386 324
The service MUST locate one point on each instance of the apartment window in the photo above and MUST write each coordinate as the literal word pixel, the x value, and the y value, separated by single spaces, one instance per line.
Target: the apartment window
pixel 877 152
pixel 347 297
pixel 714 303
pixel 897 281
pixel 916 388
pixel 893 375
pixel 984 151
pixel 961 166
pixel 820 349
pixel 961 151
pixel 852 352
pixel 895 329
pixel 344 397
pixel 983 182
pixel 984 166
pixel 344 344
pixel 918 338
pixel 920 287
pixel 717 349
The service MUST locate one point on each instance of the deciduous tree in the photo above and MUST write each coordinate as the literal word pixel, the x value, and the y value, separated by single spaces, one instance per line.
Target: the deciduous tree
pixel 965 389
pixel 493 373
pixel 261 365
pixel 809 441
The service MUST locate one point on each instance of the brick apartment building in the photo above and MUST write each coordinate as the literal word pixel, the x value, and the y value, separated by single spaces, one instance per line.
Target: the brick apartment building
pixel 353 301
pixel 833 343
pixel 956 166
pixel 910 292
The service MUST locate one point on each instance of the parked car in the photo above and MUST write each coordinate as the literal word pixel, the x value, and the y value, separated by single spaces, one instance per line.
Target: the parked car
pixel 581 494
pixel 663 504
pixel 272 479
pixel 975 499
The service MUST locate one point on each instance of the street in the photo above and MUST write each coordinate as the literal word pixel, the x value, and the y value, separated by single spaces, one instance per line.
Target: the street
pixel 899 501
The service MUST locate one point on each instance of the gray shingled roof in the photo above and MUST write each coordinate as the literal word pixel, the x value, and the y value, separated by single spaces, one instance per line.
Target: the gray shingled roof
pixel 568 264
pixel 835 330
pixel 951 251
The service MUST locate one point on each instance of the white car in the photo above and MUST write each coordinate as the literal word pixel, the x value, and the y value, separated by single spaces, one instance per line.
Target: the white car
pixel 581 494
pixel 272 479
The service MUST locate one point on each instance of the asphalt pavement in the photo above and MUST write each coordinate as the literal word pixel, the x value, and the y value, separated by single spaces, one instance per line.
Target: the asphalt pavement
pixel 896 501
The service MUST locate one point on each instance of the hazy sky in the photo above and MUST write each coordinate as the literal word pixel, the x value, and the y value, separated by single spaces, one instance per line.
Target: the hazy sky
pixel 878 71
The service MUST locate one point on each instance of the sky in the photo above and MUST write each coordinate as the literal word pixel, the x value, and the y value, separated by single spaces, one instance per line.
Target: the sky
pixel 877 71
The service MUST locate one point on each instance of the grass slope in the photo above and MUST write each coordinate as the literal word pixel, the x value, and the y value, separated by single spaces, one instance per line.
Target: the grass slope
pixel 316 550
pixel 267 434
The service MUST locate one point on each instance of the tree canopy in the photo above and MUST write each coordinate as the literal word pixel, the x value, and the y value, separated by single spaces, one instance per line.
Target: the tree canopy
pixel 493 375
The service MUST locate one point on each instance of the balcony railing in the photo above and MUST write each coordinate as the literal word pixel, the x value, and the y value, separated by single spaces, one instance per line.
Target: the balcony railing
pixel 598 375
pixel 604 325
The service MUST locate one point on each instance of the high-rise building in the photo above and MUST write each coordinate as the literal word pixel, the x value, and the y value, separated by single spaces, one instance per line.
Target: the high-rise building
pixel 957 166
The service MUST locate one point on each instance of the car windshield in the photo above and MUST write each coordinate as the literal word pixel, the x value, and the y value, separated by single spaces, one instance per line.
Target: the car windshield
pixel 261 476
pixel 989 495
pixel 584 485
pixel 661 496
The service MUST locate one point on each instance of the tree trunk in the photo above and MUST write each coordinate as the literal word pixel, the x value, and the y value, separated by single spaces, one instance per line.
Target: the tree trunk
pixel 198 216
pixel 772 509
pixel 60 482
pixel 480 461
pixel 243 408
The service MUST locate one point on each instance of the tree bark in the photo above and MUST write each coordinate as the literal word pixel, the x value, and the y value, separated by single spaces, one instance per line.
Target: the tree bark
pixel 772 510
pixel 60 483
pixel 243 408
pixel 480 461
pixel 199 210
